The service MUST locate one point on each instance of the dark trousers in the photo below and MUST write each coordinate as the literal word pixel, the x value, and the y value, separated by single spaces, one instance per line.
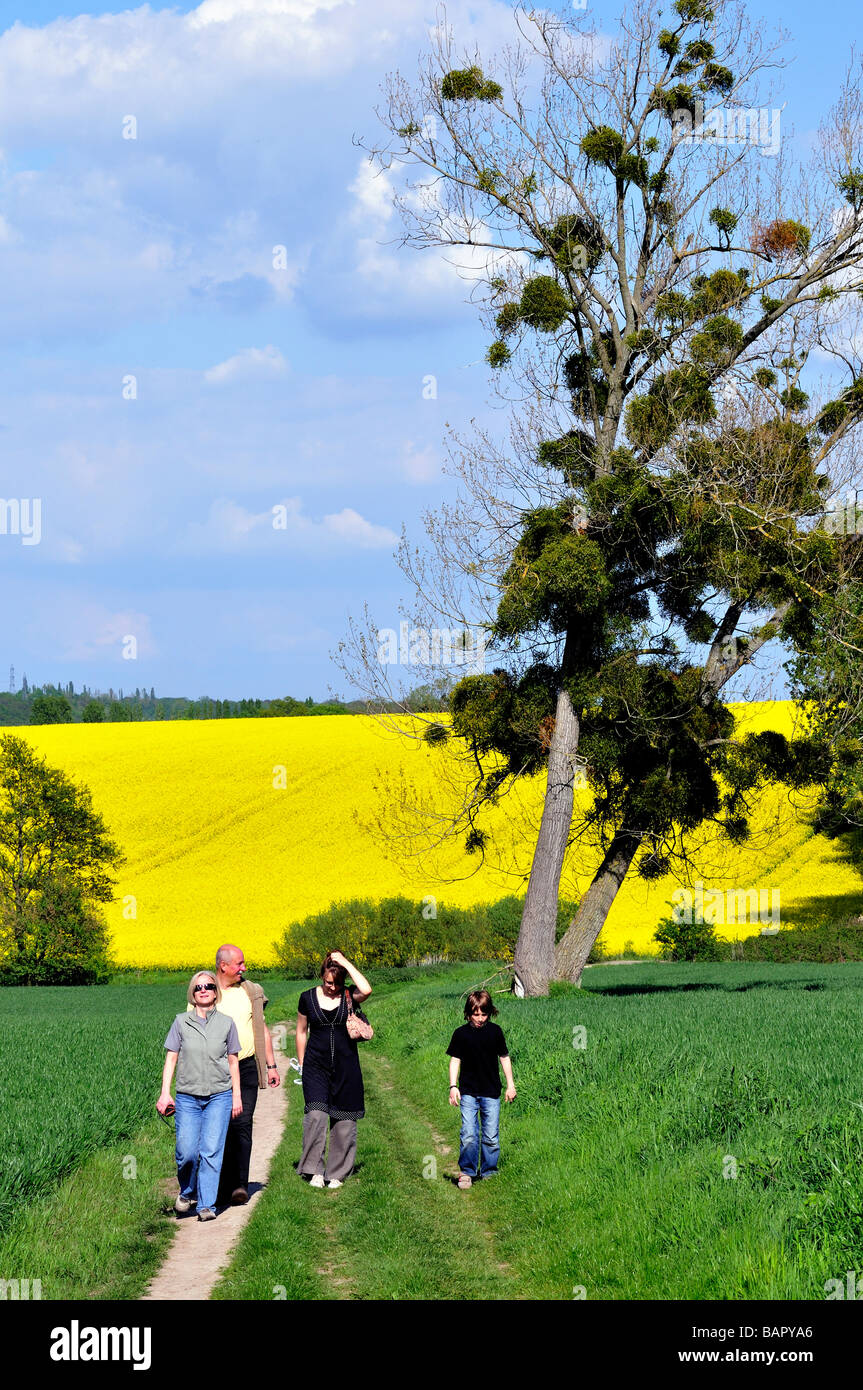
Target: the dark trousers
pixel 238 1145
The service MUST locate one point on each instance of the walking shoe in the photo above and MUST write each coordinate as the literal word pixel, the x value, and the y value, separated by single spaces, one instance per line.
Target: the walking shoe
pixel 464 1181
pixel 206 1214
pixel 317 1180
pixel 182 1204
pixel 239 1197
pixel 334 1182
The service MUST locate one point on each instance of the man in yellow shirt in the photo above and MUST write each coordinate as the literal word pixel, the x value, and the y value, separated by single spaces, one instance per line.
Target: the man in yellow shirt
pixel 257 1068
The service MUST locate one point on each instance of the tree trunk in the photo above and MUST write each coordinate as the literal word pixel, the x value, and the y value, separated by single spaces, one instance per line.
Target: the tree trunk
pixel 534 952
pixel 573 949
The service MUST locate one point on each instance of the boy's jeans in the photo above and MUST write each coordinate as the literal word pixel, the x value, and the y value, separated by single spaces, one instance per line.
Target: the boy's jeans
pixel 473 1107
pixel 202 1123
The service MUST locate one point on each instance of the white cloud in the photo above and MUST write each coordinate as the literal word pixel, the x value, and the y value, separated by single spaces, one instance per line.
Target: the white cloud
pixel 165 67
pixel 243 112
pixel 250 362
pixel 373 195
pixel 363 274
pixel 91 631
pixel 420 465
pixel 231 528
pixel 156 255
pixel 68 551
pixel 349 526
pixel 226 11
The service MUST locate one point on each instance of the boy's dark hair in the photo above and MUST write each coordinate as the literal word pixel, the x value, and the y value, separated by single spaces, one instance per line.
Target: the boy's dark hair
pixel 482 998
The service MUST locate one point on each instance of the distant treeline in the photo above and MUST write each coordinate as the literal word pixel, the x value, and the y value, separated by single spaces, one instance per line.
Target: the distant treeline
pixel 62 704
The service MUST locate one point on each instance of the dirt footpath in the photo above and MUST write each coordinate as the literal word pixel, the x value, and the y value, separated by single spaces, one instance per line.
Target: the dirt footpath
pixel 202 1249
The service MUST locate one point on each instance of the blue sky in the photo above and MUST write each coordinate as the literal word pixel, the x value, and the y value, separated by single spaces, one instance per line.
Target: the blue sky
pixel 254 385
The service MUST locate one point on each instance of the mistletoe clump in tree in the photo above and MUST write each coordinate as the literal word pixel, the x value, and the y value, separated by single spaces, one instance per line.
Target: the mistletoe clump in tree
pixel 655 300
pixel 827 680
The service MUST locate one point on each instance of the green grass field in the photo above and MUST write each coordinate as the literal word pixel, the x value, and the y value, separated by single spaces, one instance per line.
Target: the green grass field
pixel 703 1144
pixel 618 1158
pixel 83 1157
pixel 85 1162
pixel 78 1074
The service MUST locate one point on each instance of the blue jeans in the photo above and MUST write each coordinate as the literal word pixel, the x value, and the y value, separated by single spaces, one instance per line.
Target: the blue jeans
pixel 472 1108
pixel 202 1123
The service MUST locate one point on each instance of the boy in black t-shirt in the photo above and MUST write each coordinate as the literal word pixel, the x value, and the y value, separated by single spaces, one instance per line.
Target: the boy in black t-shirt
pixel 476 1048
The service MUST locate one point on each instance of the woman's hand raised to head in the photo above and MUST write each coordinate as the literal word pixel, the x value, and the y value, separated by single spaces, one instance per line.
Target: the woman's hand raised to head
pixel 362 988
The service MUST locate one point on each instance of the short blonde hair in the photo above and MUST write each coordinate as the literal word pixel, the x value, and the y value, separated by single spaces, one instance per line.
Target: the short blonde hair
pixel 200 975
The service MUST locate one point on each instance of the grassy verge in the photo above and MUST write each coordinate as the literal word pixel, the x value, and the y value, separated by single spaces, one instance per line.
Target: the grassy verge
pixel 702 1143
pixel 103 1233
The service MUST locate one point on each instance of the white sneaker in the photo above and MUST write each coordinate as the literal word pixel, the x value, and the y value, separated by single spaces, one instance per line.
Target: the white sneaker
pixel 334 1182
pixel 317 1180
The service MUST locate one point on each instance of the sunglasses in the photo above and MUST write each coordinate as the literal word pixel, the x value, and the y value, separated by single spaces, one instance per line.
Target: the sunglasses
pixel 199 989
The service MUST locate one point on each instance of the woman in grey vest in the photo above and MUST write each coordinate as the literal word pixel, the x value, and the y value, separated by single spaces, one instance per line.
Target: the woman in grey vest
pixel 203 1046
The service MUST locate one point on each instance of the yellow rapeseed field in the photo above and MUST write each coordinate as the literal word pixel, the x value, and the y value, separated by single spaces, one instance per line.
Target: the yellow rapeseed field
pixel 233 828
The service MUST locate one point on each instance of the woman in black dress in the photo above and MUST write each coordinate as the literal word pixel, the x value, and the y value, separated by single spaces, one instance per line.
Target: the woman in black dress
pixel 332 1080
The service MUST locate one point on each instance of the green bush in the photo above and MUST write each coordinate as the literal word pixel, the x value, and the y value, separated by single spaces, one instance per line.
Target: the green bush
pixel 830 942
pixel 59 939
pixel 50 709
pixel 397 932
pixel 688 941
